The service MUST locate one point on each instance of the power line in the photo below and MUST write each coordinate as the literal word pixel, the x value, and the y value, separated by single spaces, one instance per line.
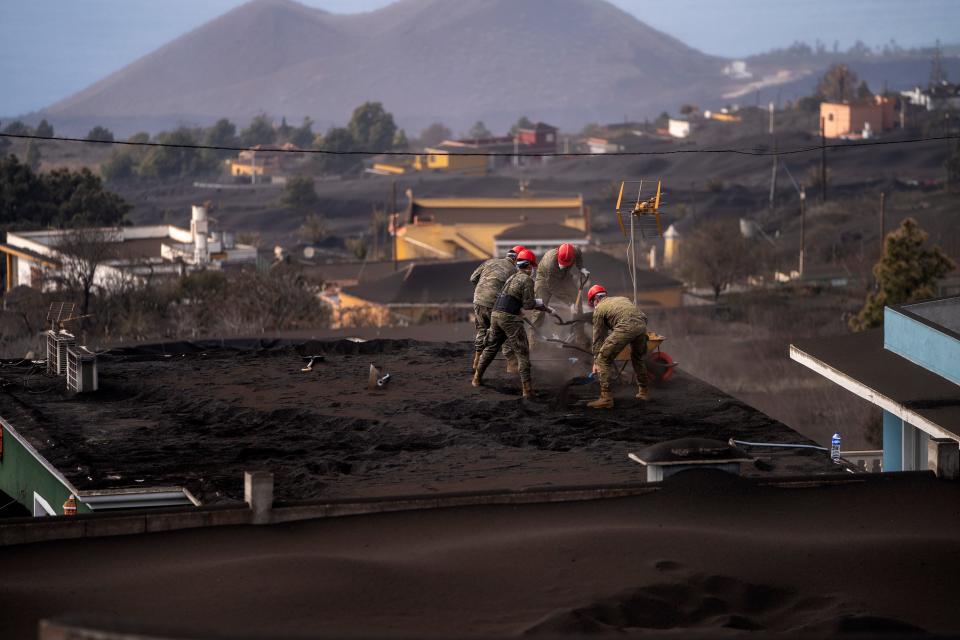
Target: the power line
pixel 495 154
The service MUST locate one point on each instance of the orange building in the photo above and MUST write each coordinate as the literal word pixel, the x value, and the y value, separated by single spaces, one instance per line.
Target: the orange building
pixel 843 119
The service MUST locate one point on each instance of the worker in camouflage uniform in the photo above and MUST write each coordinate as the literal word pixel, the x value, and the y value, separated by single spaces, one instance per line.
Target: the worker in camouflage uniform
pixel 617 324
pixel 487 281
pixel 506 321
pixel 557 278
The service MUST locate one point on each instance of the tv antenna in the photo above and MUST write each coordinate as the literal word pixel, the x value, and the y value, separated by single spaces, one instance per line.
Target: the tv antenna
pixel 645 215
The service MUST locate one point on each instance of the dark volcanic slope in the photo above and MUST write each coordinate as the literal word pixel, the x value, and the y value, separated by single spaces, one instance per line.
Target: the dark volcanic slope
pixel 568 61
pixel 200 420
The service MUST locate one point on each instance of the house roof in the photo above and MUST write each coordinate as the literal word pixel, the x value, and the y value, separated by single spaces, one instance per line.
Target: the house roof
pixel 350 272
pixel 29 254
pixel 614 274
pixel 495 210
pixel 543 231
pixel 421 283
pixel 860 363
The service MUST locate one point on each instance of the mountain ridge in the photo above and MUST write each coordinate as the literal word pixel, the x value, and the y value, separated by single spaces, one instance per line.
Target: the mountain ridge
pixel 567 61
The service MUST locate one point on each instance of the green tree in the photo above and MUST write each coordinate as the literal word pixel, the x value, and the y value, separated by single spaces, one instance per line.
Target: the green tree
pixel 435 134
pixel 400 142
pixel 907 272
pixel 119 166
pixel 260 132
pixel 837 84
pixel 100 134
pixel 32 156
pixel 17 128
pixel 44 129
pixel 140 137
pixel 222 134
pixel 303 135
pixel 175 161
pixel 299 193
pixel 479 130
pixel 372 127
pixel 284 131
pixel 863 91
pixel 337 140
pixel 523 123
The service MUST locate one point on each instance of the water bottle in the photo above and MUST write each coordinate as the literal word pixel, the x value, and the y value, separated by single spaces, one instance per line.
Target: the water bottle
pixel 835 448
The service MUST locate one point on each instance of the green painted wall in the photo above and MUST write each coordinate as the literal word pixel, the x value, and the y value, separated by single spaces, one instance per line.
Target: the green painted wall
pixel 22 473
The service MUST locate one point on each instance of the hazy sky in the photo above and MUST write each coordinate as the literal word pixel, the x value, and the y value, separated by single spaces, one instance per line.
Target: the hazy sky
pixel 52 48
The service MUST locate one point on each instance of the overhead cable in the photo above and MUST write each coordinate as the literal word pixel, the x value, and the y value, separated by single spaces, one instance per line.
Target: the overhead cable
pixel 493 154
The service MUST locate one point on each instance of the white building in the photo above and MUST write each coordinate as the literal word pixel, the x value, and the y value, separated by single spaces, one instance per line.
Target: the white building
pixel 678 128
pixel 35 258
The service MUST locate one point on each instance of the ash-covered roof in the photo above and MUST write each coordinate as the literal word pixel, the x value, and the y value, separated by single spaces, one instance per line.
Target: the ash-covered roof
pixel 165 417
pixel 421 283
pixel 545 231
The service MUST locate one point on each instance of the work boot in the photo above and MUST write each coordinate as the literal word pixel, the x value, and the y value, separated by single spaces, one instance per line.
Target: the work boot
pixel 476 360
pixel 513 365
pixel 527 390
pixel 605 401
pixel 477 379
pixel 643 393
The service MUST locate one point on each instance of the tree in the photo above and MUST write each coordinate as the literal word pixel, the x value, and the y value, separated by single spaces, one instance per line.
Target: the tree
pixel 400 142
pixel 687 109
pixel 84 251
pixel 299 193
pixel 479 130
pixel 863 91
pixel 314 229
pixel 44 129
pixel 100 134
pixel 435 134
pixel 837 84
pixel 175 161
pixel 260 132
pixel 372 127
pixel 303 135
pixel 284 131
pixel 17 128
pixel 523 123
pixel 222 134
pixel 907 272
pixel 119 166
pixel 952 165
pixel 32 156
pixel 717 255
pixel 337 140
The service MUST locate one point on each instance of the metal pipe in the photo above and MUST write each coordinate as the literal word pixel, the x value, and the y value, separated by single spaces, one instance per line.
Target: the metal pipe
pixel 779 445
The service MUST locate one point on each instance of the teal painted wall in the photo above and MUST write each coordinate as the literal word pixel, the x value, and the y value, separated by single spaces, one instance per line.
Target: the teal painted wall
pixel 892 442
pixel 22 473
pixel 921 344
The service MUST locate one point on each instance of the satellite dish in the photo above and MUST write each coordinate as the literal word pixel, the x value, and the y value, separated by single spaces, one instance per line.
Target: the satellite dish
pixel 309 253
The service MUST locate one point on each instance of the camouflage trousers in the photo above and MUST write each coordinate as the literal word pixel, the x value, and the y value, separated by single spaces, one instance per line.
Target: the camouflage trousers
pixel 564 291
pixel 481 315
pixel 633 336
pixel 507 331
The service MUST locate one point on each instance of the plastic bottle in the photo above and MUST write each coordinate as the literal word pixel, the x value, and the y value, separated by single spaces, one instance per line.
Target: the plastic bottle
pixel 835 448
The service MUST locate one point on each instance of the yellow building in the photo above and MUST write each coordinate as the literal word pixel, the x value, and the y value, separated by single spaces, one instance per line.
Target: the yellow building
pixel 842 119
pixel 442 160
pixel 460 228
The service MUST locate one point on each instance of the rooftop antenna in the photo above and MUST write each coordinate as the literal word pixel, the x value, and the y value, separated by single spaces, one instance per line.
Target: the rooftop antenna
pixel 643 211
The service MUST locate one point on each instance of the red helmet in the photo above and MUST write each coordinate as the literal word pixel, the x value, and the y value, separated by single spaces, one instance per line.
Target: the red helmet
pixel 596 293
pixel 566 255
pixel 513 253
pixel 525 258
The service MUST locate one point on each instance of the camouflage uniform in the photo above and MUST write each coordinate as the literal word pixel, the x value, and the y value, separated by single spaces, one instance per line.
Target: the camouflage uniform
pixel 488 280
pixel 507 327
pixel 554 282
pixel 617 323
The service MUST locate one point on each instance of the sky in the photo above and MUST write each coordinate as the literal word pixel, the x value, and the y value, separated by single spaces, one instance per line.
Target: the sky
pixel 50 49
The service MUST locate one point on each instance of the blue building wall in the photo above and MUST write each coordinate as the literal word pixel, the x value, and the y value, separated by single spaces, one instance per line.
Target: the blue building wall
pixel 921 344
pixel 892 442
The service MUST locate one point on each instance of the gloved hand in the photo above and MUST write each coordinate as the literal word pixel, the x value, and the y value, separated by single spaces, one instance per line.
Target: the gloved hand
pixel 584 274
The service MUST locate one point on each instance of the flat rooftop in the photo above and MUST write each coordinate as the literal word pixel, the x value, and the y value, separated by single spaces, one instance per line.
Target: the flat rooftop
pixel 197 416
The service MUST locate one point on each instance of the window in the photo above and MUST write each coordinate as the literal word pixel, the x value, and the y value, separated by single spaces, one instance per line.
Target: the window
pixel 549 137
pixel 830 117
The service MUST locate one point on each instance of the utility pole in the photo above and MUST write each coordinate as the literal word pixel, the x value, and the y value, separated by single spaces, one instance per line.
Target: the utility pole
pixel 823 161
pixel 883 223
pixel 396 221
pixel 803 220
pixel 776 162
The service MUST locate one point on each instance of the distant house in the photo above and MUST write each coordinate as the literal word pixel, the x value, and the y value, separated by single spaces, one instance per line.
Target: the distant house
pixel 539 238
pixel 678 128
pixel 450 159
pixel 856 119
pixel 260 163
pixel 35 258
pixel 458 228
pixel 934 98
pixel 440 291
pixel 910 368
